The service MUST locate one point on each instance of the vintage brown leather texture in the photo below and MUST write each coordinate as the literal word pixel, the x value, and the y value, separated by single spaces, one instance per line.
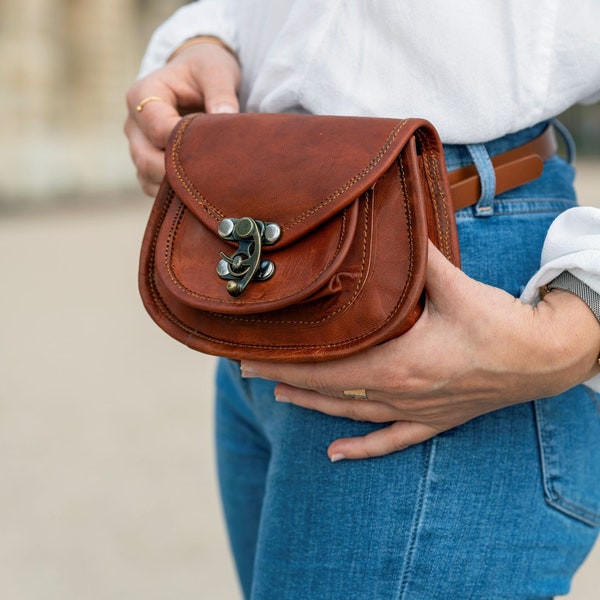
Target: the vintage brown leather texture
pixel 355 200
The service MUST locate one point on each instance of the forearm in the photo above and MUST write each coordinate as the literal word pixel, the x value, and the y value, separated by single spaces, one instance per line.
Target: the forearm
pixel 576 336
pixel 572 245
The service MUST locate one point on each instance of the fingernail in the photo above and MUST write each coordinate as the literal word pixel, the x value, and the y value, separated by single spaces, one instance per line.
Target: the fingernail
pixel 224 109
pixel 336 457
pixel 280 398
pixel 247 372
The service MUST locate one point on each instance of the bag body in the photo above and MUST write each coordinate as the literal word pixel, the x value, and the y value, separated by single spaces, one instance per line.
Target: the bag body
pixel 294 237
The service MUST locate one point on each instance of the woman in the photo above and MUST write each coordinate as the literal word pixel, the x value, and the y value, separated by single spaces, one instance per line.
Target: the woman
pixel 481 502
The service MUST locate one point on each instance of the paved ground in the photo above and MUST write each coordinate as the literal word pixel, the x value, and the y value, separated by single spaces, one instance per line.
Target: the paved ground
pixel 106 462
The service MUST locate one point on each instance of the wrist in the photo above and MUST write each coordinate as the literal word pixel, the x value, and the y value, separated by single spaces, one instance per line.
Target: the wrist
pixel 573 331
pixel 566 281
pixel 202 39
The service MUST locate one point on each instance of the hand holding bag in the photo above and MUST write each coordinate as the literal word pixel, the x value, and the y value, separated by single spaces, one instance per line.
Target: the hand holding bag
pixel 294 237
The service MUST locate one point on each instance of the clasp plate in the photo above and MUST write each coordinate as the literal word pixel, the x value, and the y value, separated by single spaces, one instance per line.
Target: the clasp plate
pixel 245 264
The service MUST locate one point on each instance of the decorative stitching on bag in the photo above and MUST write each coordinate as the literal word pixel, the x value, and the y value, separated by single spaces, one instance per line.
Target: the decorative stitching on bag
pixel 350 301
pixel 158 301
pixel 210 209
pixel 352 181
pixel 409 221
pixel 185 180
pixel 431 179
pixel 171 240
pixel 410 274
pixel 434 181
pixel 195 333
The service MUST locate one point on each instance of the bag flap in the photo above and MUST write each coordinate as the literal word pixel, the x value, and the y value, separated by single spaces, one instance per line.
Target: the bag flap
pixel 293 170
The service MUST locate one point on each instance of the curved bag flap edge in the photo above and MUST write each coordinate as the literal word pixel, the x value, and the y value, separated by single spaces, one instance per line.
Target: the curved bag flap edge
pixel 296 218
pixel 300 289
pixel 159 311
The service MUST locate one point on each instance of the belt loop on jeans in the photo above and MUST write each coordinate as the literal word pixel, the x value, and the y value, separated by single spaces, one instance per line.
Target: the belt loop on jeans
pixel 487 178
pixel 512 169
pixel 568 140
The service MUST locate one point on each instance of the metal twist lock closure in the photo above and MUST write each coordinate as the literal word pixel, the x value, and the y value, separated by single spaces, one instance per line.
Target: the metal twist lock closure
pixel 245 264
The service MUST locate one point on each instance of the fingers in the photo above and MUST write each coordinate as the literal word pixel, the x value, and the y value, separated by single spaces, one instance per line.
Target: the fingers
pixel 148 131
pixel 398 364
pixel 443 281
pixel 330 377
pixel 397 436
pixel 355 409
pixel 156 118
pixel 147 158
pixel 220 91
pixel 203 76
pixel 215 76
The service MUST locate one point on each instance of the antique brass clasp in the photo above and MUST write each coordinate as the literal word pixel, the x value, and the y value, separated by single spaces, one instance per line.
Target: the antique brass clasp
pixel 245 264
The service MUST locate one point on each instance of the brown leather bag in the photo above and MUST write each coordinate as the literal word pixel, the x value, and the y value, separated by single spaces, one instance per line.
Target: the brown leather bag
pixel 294 237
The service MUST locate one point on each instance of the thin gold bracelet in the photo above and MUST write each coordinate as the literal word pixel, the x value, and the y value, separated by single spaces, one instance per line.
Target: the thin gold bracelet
pixel 202 39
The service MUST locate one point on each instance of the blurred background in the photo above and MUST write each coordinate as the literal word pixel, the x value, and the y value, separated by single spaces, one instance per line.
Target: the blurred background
pixel 65 67
pixel 107 482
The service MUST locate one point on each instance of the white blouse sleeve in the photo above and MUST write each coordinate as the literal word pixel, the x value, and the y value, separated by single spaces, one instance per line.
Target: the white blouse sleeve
pixel 572 244
pixel 203 17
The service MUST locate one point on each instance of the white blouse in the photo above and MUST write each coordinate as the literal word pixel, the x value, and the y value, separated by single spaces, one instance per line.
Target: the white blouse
pixel 477 70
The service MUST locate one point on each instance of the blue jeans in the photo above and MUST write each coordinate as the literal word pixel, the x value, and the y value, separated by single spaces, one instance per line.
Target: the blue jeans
pixel 505 506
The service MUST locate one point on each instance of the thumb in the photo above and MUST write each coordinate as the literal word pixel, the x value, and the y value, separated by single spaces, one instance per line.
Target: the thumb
pixel 443 280
pixel 220 81
pixel 220 101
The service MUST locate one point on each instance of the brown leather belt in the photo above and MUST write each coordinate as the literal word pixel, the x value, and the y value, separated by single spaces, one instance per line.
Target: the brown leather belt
pixel 513 168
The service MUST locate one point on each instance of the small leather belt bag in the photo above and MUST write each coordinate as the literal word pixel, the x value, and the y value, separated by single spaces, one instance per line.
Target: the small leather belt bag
pixel 295 237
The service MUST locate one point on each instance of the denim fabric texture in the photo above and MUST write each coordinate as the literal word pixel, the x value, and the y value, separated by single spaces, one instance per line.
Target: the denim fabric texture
pixel 506 506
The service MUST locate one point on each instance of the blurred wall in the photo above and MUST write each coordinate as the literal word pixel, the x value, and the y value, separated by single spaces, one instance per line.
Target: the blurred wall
pixel 65 69
pixel 584 123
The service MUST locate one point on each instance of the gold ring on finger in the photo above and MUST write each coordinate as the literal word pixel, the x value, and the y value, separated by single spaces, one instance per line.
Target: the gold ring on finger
pixel 362 394
pixel 140 106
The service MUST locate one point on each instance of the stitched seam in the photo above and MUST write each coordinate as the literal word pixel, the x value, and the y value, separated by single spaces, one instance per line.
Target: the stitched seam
pixel 158 301
pixel 353 180
pixel 177 282
pixel 208 207
pixel 552 496
pixel 409 221
pixel 549 210
pixel 351 300
pixel 194 332
pixel 185 180
pixel 169 245
pixel 433 181
pixel 418 520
